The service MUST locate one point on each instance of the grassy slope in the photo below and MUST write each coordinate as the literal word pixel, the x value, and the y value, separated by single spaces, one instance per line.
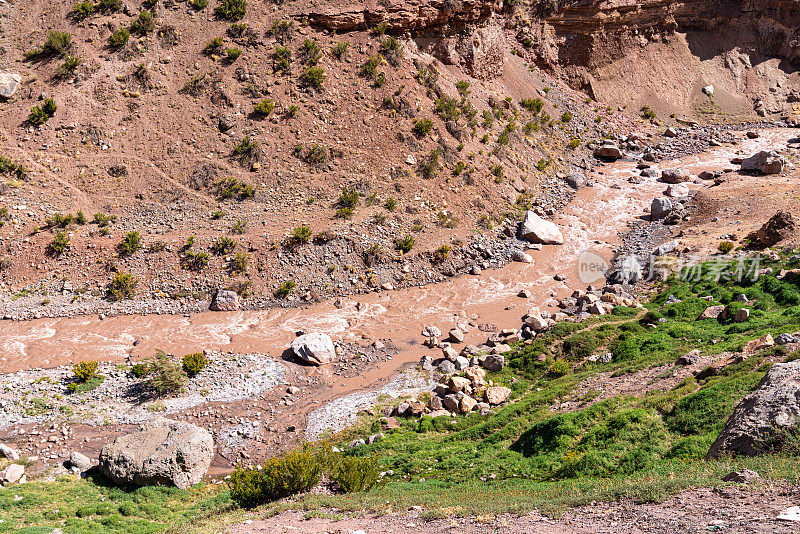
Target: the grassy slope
pixel 524 456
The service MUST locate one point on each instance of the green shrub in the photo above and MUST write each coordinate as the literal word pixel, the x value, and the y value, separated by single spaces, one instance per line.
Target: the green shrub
pixel 131 243
pixel 282 59
pixel 49 107
pixel 59 220
pixel 264 108
pixel 234 188
pixel 340 50
pixel 391 204
pixel 648 113
pixel 405 244
pixel 247 151
pixel 354 474
pixel 83 10
pixel 534 105
pixel 199 4
pixel 223 245
pixel 140 370
pixel 348 198
pixel 194 363
pixel 195 261
pixel 232 54
pixel 566 116
pixel 310 52
pixel 84 371
pixel 313 77
pixel 40 115
pixel 122 286
pixel 239 227
pixel 143 24
pixel 725 247
pixel 302 234
pixel 232 10
pixel 59 244
pixel 560 368
pixel 102 220
pixel 239 262
pixel 57 43
pixel 69 67
pixel 109 5
pixel 582 345
pixel 429 166
pixel 422 127
pixel 166 374
pixel 626 347
pixel 284 289
pixel 18 170
pixel 214 46
pixel 84 386
pixel 119 38
pixel 370 68
pixel 278 477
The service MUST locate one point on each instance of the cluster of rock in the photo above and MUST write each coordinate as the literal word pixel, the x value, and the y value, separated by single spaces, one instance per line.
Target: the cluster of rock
pixel 461 394
pixel 457 393
pixel 581 305
pixel 13 473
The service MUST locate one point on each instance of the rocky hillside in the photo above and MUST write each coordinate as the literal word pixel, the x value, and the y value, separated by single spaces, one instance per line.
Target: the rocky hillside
pixel 232 135
pixel 309 149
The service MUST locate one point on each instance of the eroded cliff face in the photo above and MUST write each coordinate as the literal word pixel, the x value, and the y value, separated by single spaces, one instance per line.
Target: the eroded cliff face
pixel 656 52
pixel 398 15
pixel 663 53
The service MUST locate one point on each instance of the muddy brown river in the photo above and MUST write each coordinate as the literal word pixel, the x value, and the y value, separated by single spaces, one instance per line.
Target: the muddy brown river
pixel 591 222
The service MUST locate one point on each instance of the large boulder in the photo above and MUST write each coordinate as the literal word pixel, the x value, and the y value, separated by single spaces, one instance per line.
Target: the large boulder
pixel 224 300
pixel 537 230
pixel 9 83
pixel 497 394
pixel 162 452
pixel 12 474
pixel 660 208
pixel 765 162
pixel 608 150
pixel 776 229
pixel 675 176
pixel 677 190
pixel 765 417
pixel 314 348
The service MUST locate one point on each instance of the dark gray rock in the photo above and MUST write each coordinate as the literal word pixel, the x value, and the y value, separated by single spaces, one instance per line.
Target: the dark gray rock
pixel 660 208
pixel 765 417
pixel 224 300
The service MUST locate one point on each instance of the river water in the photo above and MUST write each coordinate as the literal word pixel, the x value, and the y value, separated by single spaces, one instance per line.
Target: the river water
pixel 592 221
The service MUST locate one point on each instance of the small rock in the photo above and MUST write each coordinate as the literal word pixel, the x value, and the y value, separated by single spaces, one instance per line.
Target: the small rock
pixel 743 475
pixel 79 461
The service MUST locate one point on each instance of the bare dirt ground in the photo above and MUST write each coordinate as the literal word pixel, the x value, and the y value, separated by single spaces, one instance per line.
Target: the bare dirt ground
pixel 731 509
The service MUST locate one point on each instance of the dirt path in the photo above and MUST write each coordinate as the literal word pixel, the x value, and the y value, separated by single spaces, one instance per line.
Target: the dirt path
pixel 732 509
